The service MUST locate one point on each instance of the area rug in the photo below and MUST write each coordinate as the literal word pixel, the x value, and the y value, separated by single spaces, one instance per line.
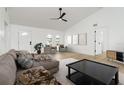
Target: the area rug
pixel 63 71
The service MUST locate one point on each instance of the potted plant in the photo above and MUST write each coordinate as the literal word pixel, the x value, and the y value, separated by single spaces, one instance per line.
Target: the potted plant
pixel 38 47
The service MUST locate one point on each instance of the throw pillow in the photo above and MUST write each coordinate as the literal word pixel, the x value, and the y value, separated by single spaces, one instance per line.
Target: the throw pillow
pixel 24 62
pixel 24 53
pixel 36 76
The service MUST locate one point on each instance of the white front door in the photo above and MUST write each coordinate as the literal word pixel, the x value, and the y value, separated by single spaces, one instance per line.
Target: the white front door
pixel 24 41
pixel 101 43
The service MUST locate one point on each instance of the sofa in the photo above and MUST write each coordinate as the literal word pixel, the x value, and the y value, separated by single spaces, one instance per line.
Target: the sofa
pixel 9 69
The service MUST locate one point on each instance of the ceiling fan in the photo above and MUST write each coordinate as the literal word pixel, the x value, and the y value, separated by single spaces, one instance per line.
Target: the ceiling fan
pixel 61 16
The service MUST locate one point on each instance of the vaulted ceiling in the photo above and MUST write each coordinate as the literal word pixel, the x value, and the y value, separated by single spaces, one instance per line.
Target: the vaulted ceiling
pixel 40 16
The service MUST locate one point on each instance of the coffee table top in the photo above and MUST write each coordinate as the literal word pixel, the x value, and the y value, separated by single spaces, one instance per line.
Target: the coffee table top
pixel 101 72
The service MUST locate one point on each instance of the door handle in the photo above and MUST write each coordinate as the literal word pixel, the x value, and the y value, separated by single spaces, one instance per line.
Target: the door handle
pixel 30 43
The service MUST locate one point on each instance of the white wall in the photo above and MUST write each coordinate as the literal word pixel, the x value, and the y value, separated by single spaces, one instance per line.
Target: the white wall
pixel 4 32
pixel 37 35
pixel 112 19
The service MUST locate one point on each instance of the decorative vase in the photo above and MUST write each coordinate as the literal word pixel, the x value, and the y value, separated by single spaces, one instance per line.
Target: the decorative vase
pixel 38 51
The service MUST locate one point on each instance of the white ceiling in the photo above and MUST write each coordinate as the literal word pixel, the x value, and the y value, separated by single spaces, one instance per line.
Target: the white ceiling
pixel 40 16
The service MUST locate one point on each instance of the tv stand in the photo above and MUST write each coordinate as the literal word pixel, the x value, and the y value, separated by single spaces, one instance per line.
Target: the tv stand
pixel 115 55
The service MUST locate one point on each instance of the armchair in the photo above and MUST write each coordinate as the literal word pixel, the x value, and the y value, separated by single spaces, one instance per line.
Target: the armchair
pixel 62 48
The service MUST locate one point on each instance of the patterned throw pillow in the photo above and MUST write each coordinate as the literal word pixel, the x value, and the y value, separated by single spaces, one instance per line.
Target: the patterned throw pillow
pixel 36 76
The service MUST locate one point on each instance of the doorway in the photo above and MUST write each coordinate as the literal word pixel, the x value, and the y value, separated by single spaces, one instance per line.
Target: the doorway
pixel 25 41
pixel 101 40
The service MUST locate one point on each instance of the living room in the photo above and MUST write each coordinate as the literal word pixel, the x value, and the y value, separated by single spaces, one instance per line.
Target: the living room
pixel 77 33
pixel 102 17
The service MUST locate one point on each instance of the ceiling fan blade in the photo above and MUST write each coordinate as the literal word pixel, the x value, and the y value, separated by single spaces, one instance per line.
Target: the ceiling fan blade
pixel 65 20
pixel 54 18
pixel 62 15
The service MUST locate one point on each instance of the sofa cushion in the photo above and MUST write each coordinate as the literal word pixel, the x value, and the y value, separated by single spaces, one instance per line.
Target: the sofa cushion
pixel 54 70
pixel 7 70
pixel 46 61
pixel 49 64
pixel 42 57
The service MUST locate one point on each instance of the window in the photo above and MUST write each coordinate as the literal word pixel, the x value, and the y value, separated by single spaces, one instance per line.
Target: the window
pixel 69 40
pixel 57 39
pixel 75 39
pixel 83 39
pixel 49 39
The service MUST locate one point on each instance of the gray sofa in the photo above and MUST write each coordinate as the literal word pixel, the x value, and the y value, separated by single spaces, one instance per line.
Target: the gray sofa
pixel 9 69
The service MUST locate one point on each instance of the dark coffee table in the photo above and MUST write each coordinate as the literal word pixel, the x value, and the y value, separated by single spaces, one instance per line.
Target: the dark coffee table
pixel 87 72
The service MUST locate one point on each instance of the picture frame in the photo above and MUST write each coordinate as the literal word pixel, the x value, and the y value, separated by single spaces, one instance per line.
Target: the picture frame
pixel 83 39
pixel 75 39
